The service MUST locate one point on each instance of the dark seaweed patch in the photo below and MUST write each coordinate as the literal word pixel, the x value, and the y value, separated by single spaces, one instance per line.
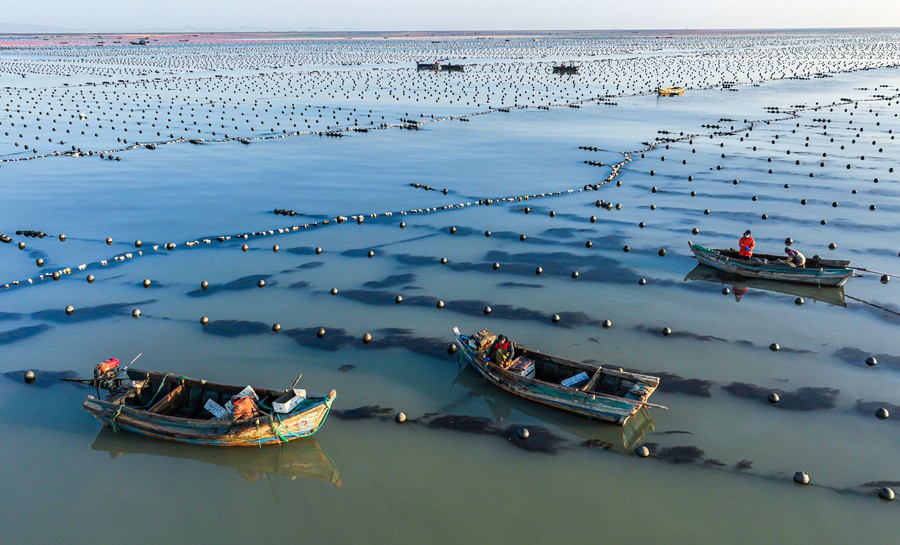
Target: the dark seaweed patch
pixel 86 314
pixel 235 328
pixel 404 338
pixel 540 439
pixel 712 462
pixel 680 454
pixel 300 285
pixel 743 465
pixel 673 383
pixel 680 334
pixel 868 408
pixel 346 367
pixel 467 424
pixel 243 283
pixel 15 335
pixel 803 399
pixel 310 265
pixel 42 379
pixel 518 285
pixel 334 339
pixel 363 413
pixel 879 484
pixel 7 316
pixel 391 281
pixel 855 356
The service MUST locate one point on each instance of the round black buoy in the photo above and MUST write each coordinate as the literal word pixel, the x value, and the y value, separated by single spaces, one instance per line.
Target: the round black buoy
pixel 487 310
pixel 774 347
pixel 695 231
pixel 487 233
pixel 453 230
pixel 788 241
pixel 400 418
pixel 774 398
pixel 607 324
pixel 138 243
pixel 798 301
pixel 204 285
pixel 109 241
pixel 398 299
pixel 871 361
pixel 318 250
pixel 726 291
pixel 666 331
pixel 626 249
pixel 523 433
pixel 62 237
pixel 261 283
pixel 40 262
pixel 662 252
pixel 575 275
pixel 538 271
pixel 367 338
pixel 522 237
pixel 136 313
pixel 886 493
pixel 29 377
pixel 275 248
pixel 801 477
pixel 588 244
pixel 555 318
pixel 832 246
pixel 21 245
pixel 90 279
pixel 320 332
pixel 443 261
pixel 244 248
pixel 642 281
pixel 642 451
pixel 276 327
pixel 439 304
pixel 146 282
pixel 451 348
pixel 204 320
pixel 885 278
pixel 371 253
pixel 403 225
pixel 882 413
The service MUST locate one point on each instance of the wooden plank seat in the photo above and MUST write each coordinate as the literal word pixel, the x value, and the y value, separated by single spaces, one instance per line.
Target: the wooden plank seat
pixel 171 403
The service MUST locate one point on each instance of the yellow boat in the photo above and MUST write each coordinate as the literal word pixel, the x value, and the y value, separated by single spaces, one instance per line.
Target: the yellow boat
pixel 671 91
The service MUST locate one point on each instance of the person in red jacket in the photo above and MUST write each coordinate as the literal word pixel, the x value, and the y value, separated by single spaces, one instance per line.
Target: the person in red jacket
pixel 500 350
pixel 746 245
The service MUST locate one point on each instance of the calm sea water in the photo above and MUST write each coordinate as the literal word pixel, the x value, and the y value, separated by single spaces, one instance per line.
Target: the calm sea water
pixel 818 110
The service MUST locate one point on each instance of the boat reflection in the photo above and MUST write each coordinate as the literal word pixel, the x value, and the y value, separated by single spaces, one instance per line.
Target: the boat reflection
pixel 303 458
pixel 740 286
pixel 595 433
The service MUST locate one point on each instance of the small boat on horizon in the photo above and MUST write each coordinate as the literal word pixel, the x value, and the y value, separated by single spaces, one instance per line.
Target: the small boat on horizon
pixel 605 393
pixel 817 272
pixel 670 91
pixel 186 410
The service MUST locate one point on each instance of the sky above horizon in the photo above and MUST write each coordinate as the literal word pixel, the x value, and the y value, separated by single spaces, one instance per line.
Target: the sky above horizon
pixel 387 15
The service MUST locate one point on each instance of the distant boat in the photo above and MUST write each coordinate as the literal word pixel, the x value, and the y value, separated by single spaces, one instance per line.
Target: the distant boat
pixel 604 393
pixel 670 91
pixel 142 41
pixel 428 65
pixel 565 69
pixel 817 272
pixel 186 410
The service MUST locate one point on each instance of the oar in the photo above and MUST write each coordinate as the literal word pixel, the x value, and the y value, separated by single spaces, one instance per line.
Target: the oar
pixel 872 271
pixel 86 381
pixel 132 361
pixel 654 405
pixel 296 381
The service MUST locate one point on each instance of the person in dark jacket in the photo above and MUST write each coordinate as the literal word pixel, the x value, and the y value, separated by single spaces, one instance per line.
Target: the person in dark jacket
pixel 501 350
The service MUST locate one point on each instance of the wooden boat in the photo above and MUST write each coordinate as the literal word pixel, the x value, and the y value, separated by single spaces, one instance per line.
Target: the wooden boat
pixel 608 394
pixel 164 406
pixel 302 459
pixel 565 69
pixel 817 272
pixel 670 91
pixel 825 294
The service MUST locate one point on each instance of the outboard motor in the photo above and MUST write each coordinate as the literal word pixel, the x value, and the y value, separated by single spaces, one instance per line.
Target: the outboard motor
pixel 108 376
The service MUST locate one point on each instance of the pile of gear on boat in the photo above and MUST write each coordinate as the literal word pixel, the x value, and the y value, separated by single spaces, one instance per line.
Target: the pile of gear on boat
pixel 243 405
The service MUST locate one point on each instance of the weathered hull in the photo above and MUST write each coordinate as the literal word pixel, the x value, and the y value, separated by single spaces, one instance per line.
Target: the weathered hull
pixel 780 271
pixel 207 433
pixel 597 406
pixel 121 412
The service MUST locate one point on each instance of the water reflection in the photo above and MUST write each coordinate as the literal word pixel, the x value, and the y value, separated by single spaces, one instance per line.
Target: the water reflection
pixel 594 434
pixel 741 286
pixel 303 458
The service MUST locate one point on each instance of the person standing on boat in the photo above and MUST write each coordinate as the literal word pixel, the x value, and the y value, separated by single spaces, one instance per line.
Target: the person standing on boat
pixel 500 350
pixel 746 245
pixel 795 258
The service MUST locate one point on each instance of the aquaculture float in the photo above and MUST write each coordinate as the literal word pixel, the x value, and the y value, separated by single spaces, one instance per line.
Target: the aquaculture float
pixel 817 272
pixel 186 410
pixel 597 392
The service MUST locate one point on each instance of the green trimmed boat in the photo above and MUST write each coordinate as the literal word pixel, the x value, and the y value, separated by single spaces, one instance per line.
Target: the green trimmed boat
pixel 817 272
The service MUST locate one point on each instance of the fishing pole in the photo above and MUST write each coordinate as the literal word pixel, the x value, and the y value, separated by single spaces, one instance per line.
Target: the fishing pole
pixel 873 271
